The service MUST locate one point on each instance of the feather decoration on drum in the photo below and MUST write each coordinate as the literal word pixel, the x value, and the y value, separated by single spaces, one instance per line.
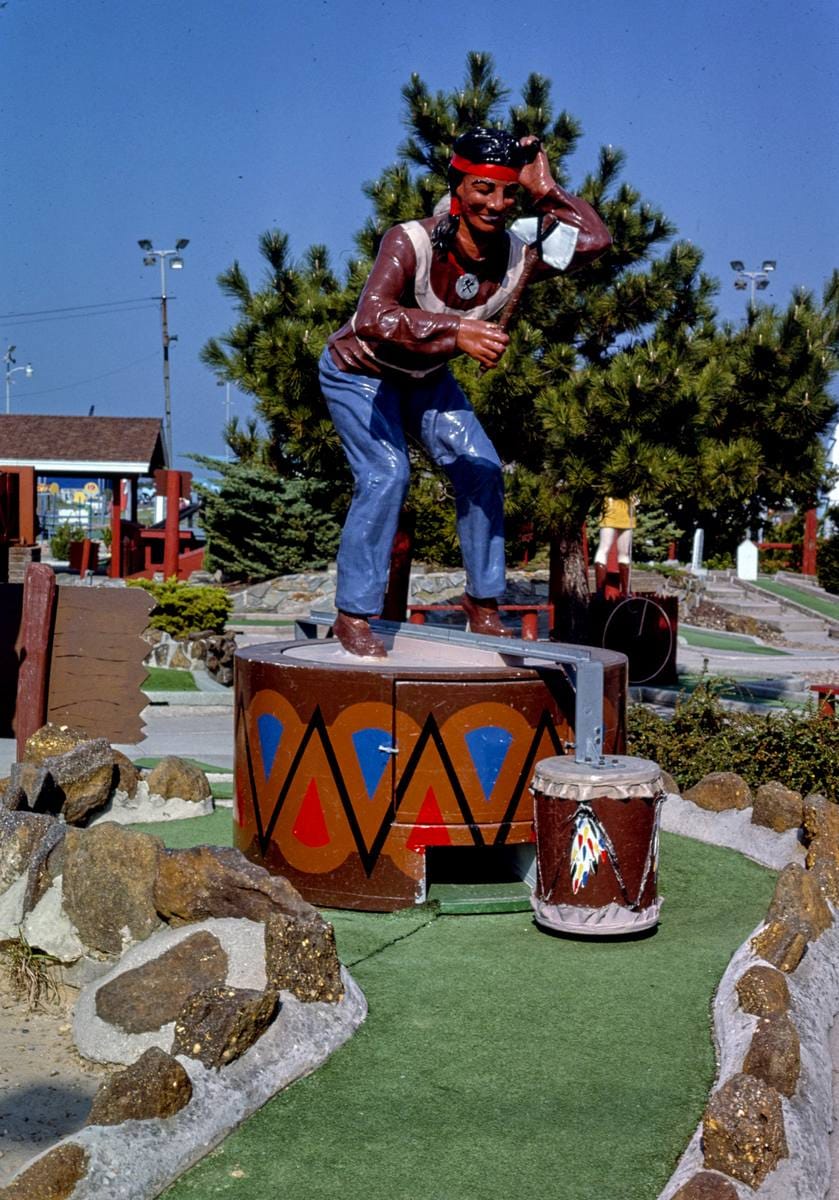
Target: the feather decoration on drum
pixel 588 847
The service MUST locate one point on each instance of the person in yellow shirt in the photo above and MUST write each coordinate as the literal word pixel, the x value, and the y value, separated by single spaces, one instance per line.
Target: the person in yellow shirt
pixel 616 525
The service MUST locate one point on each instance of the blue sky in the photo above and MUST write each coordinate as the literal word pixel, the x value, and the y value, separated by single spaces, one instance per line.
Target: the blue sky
pixel 217 120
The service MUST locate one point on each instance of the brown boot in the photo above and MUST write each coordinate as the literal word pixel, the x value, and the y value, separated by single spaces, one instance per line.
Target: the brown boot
pixel 356 636
pixel 600 573
pixel 483 616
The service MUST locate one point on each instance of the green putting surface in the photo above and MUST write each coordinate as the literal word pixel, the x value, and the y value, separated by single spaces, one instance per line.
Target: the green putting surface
pixel 169 679
pixel 498 1061
pixel 216 829
pixel 712 639
pixel 788 591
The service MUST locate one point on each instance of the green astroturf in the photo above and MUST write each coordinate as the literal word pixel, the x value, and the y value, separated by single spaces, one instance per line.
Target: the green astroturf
pixel 216 829
pixel 500 1062
pixel 168 679
pixel 819 604
pixel 713 640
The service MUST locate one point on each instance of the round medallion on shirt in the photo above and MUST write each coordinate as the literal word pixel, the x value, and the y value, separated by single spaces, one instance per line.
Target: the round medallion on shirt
pixel 467 286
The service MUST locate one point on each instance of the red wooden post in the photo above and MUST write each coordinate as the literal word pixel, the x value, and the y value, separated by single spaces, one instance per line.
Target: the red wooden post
pixel 808 556
pixel 33 675
pixel 115 570
pixel 173 520
pixel 87 546
pixel 530 626
pixel 27 504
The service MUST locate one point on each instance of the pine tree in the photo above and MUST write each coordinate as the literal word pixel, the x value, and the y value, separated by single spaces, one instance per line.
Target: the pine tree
pixel 617 381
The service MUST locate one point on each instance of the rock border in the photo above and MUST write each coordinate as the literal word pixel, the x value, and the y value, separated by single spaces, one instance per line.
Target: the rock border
pixel 798 940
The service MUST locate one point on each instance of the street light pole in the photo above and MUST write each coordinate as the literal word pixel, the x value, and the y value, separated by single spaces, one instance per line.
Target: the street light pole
pixel 28 370
pixel 225 383
pixel 176 263
pixel 757 280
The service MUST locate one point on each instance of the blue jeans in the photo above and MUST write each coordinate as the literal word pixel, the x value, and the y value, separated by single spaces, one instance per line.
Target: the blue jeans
pixel 371 416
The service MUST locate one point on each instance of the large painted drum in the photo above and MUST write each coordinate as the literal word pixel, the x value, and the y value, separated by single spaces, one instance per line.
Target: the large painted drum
pixel 355 776
pixel 597 845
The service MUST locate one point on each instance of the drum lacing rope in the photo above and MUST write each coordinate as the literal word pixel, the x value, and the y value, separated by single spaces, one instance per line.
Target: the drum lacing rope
pixel 585 810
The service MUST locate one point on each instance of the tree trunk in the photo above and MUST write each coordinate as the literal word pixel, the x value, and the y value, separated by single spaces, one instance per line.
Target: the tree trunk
pixel 568 589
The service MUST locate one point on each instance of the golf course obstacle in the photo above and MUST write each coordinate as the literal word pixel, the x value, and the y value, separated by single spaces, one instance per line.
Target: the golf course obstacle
pixel 597 829
pixel 356 778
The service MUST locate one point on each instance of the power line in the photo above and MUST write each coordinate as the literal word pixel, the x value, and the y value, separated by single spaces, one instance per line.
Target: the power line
pixel 43 312
pixel 93 379
pixel 20 324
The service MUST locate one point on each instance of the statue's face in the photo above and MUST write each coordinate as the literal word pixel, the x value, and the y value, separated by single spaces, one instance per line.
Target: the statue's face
pixel 486 203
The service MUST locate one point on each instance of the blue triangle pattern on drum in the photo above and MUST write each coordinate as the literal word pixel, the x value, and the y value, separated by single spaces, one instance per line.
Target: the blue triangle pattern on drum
pixel 371 757
pixel 270 730
pixel 488 748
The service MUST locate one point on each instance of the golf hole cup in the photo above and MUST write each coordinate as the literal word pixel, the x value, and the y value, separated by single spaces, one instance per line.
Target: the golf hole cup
pixel 597 845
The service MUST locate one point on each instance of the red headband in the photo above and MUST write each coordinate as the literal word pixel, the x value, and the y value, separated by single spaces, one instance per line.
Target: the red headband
pixel 486 170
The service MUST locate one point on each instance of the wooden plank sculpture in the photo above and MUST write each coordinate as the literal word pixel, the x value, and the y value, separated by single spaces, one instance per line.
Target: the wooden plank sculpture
pixel 72 655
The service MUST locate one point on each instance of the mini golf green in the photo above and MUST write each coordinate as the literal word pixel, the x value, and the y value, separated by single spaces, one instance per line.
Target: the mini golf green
pixel 824 605
pixel 498 1061
pixel 712 639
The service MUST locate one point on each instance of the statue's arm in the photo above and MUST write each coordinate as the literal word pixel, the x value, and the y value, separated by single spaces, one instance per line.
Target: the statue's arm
pixel 383 319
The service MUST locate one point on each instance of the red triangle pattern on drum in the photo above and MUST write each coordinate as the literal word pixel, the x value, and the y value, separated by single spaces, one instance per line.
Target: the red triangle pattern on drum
pixel 429 829
pixel 310 825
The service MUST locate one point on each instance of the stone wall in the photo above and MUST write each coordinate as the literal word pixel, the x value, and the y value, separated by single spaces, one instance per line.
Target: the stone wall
pixel 293 595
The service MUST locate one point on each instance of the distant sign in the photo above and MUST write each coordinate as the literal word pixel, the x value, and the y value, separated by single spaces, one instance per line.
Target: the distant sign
pixel 54 489
pixel 79 497
pixel 92 488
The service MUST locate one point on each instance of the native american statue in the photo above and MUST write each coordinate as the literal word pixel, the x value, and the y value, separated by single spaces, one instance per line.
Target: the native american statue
pixel 432 294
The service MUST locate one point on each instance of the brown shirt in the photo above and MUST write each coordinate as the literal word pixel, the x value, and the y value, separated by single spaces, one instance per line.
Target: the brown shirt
pixel 394 330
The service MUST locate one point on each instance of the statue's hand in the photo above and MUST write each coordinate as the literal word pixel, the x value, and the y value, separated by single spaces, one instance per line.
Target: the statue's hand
pixel 536 177
pixel 482 341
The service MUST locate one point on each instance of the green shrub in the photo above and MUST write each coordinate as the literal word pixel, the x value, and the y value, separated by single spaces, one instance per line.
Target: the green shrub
pixel 799 750
pixel 60 541
pixel 184 608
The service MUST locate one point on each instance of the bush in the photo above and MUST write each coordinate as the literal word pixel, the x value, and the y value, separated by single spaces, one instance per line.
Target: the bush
pixel 260 525
pixel 799 750
pixel 184 608
pixel 61 539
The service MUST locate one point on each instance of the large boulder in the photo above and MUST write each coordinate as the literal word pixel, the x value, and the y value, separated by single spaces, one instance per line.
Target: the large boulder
pixel 73 783
pixel 126 775
pixel 743 1131
pixel 774 1054
pixel 150 996
pixel 720 791
pixel 21 834
pixel 175 777
pixel 763 991
pixel 798 901
pixel 53 1177
pixel 207 881
pixel 218 1025
pixel 156 1085
pixel 301 958
pixel 51 740
pixel 108 885
pixel 782 945
pixel 777 807
pixel 707 1185
pixel 820 818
